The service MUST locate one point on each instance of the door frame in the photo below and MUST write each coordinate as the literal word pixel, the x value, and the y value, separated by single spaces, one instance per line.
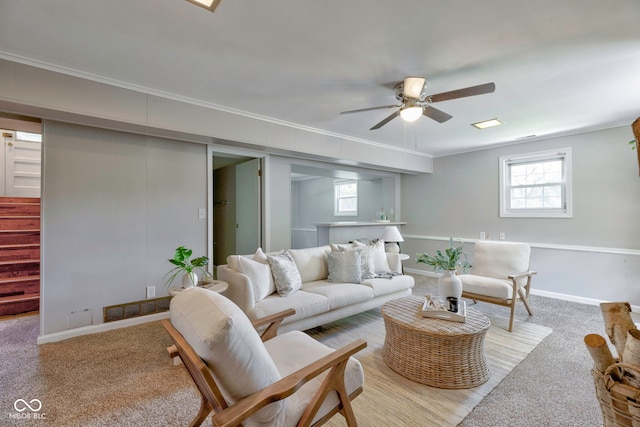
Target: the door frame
pixel 264 198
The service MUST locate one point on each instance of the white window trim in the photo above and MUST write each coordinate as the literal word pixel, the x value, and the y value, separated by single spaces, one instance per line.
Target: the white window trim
pixel 336 212
pixel 566 212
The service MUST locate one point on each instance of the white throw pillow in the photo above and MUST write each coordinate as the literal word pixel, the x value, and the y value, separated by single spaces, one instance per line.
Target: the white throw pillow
pixel 260 276
pixel 345 267
pixel 381 264
pixel 285 274
pixel 261 257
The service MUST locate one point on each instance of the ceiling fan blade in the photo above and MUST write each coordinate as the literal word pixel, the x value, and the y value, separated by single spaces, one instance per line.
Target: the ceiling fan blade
pixel 435 114
pixel 461 93
pixel 370 109
pixel 387 120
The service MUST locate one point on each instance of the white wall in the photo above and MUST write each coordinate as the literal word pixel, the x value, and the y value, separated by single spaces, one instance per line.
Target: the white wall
pixel 595 254
pixel 114 208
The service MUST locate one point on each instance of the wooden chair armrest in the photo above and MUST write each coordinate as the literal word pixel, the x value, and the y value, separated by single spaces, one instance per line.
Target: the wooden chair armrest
pixel 234 415
pixel 273 321
pixel 521 275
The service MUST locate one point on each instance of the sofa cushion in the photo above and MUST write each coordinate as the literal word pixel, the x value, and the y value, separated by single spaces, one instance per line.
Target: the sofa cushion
pixel 379 256
pixel 294 350
pixel 311 262
pixel 222 335
pixel 305 304
pixel 345 267
pixel 285 273
pixel 260 276
pixel 340 294
pixel 383 286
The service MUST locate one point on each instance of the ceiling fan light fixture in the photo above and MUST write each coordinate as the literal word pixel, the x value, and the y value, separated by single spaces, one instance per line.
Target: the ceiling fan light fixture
pixel 210 5
pixel 487 124
pixel 411 113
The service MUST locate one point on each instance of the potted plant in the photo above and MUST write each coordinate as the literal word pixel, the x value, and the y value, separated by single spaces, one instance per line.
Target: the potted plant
pixel 184 264
pixel 449 284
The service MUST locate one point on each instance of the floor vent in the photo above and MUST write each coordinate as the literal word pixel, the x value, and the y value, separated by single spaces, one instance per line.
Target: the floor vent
pixel 136 309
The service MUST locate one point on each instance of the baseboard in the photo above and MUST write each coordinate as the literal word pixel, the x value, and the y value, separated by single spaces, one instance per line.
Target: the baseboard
pixel 102 327
pixel 548 294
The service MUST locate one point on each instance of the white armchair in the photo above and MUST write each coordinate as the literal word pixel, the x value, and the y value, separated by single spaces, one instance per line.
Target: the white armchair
pixel 500 276
pixel 259 380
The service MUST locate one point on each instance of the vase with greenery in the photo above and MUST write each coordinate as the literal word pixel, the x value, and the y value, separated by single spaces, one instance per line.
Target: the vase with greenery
pixel 449 284
pixel 187 266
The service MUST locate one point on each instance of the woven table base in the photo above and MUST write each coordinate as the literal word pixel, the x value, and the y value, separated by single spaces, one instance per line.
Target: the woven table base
pixel 438 353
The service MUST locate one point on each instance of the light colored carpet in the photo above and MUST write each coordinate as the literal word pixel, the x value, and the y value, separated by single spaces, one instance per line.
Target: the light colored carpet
pixel 124 377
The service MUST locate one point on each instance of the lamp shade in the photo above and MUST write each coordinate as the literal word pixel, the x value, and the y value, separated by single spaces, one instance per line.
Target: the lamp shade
pixel 391 234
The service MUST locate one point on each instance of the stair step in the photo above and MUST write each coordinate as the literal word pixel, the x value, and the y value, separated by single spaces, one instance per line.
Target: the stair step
pixel 19 269
pixel 20 222
pixel 19 304
pixel 19 252
pixel 19 237
pixel 20 286
pixel 19 209
pixel 23 200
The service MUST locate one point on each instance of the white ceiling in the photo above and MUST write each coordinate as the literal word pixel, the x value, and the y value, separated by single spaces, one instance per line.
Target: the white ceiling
pixel 559 67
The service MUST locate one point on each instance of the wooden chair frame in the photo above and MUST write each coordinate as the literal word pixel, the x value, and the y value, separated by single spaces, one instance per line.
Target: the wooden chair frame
pixel 521 293
pixel 224 415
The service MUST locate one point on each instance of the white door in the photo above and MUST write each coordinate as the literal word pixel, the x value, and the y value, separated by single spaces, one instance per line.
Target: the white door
pixel 22 166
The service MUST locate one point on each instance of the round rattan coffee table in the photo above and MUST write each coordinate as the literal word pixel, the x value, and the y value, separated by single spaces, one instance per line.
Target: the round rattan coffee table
pixel 439 353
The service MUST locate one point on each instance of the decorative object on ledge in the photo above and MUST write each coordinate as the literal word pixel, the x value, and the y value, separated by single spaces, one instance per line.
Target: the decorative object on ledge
pixel 391 237
pixel 183 263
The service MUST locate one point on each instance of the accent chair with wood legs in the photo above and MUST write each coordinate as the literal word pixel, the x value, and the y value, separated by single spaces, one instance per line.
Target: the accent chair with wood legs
pixel 259 380
pixel 500 276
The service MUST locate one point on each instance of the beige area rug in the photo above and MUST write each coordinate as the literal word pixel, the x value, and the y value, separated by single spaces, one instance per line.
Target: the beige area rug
pixel 391 400
pixel 124 377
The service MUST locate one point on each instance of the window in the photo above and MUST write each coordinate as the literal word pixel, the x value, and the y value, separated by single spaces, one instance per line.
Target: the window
pixel 346 198
pixel 536 185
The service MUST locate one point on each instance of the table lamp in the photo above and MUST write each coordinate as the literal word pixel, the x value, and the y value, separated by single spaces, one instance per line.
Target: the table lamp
pixel 391 236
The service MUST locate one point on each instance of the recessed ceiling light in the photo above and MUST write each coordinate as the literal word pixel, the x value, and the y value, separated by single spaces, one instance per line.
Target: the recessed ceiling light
pixel 487 124
pixel 207 4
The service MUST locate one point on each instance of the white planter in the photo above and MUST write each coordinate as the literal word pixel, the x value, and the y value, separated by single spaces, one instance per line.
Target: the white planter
pixel 450 285
pixel 189 280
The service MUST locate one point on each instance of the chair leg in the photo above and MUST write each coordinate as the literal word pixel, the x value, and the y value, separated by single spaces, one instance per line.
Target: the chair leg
pixel 205 409
pixel 525 300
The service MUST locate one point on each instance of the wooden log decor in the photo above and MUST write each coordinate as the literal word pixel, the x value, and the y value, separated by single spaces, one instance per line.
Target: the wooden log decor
pixel 599 351
pixel 631 353
pixel 617 323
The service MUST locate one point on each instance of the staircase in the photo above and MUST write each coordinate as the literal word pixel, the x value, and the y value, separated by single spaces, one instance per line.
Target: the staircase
pixel 19 255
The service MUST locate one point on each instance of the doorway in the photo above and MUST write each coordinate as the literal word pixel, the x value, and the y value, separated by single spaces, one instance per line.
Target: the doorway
pixel 237 206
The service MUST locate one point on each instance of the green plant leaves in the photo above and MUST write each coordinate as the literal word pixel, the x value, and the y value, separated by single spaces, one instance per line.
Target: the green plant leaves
pixel 184 264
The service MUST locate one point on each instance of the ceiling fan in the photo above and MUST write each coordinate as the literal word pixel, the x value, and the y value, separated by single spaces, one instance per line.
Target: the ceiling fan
pixel 414 102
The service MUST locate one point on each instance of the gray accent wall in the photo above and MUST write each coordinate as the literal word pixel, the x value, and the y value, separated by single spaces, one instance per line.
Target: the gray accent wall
pixel 594 255
pixel 114 208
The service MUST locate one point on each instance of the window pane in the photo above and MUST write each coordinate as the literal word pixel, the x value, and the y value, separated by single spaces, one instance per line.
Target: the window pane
pixel 347 205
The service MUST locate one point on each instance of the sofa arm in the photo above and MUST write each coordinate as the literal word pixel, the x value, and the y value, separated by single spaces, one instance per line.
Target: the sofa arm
pixel 239 290
pixel 395 263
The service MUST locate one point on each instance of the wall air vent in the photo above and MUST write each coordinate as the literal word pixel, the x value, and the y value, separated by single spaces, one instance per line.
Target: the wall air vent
pixel 136 309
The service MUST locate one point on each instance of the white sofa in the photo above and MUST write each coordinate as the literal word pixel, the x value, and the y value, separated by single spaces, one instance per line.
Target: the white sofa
pixel 319 300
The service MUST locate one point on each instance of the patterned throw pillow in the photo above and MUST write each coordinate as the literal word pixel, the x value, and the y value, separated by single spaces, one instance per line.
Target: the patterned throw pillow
pixel 345 267
pixel 285 273
pixel 368 263
pixel 381 265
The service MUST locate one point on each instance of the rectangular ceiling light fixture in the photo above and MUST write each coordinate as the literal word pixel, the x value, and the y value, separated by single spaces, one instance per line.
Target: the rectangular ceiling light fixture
pixel 207 4
pixel 487 124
